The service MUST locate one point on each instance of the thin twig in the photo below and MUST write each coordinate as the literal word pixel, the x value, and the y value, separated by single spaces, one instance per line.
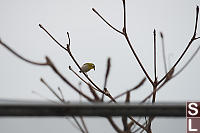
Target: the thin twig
pixel 117 129
pixel 154 94
pixel 107 72
pixel 171 75
pixel 154 42
pixel 163 52
pixel 74 125
pixel 141 126
pixel 77 123
pixel 107 22
pixel 124 118
pixel 96 97
pixel 79 86
pixel 124 122
pixel 84 125
pixel 70 53
pixel 70 68
pixel 66 81
pixel 42 80
pixel 187 63
pixel 130 45
pixel 63 101
pixel 81 117
pixel 46 98
pixel 132 89
pixel 106 77
pixel 21 57
pixel 132 127
pixel 149 96
pixel 47 63
pixel 127 39
pixel 124 12
pixel 52 37
pixel 136 130
pixel 68 38
pixel 62 96
pixel 155 74
pixel 104 92
pixel 189 44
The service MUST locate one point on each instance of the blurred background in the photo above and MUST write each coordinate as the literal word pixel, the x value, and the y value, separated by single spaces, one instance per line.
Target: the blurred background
pixel 93 41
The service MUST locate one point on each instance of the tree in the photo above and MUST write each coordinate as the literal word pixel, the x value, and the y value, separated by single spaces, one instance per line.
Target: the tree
pixel 98 92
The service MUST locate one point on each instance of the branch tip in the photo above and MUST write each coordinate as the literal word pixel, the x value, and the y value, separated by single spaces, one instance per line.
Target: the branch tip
pixel 40 26
pixel 161 34
pixel 70 68
pixel 154 31
pixel 48 61
pixel 41 79
pixel 94 10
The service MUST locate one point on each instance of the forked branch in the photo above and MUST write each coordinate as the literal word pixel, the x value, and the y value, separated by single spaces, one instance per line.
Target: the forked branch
pixel 47 63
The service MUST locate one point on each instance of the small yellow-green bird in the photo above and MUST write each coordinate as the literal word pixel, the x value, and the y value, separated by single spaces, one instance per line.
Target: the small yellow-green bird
pixel 87 67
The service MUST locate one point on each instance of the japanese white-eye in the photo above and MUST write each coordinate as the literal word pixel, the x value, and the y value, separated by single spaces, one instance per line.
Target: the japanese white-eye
pixel 87 67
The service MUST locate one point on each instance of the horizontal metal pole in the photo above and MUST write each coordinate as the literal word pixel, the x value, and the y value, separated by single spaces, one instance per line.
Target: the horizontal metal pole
pixel 92 109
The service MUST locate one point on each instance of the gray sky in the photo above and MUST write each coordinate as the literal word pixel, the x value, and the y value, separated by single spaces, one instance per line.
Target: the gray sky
pixel 93 41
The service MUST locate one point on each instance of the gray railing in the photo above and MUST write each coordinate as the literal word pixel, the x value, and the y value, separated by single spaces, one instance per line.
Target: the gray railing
pixel 91 109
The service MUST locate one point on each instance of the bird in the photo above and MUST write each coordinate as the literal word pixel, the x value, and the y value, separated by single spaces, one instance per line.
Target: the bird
pixel 87 67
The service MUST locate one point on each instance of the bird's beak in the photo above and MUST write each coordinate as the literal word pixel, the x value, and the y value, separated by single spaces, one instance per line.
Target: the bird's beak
pixel 94 68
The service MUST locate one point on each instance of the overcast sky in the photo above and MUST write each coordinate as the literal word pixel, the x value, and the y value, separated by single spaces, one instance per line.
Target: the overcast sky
pixel 93 41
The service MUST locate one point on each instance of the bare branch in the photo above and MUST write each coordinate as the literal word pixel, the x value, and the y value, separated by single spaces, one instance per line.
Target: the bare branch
pixel 124 11
pixel 106 76
pixel 78 124
pixel 84 125
pixel 189 44
pixel 96 97
pixel 124 122
pixel 61 93
pixel 21 57
pixel 141 126
pixel 187 63
pixel 52 37
pixel 163 52
pixel 70 53
pixel 124 118
pixel 132 89
pixel 46 98
pixel 42 80
pixel 67 82
pixel 107 72
pixel 197 15
pixel 48 63
pixel 73 124
pixel 68 38
pixel 117 129
pixel 171 74
pixel 107 22
pixel 130 45
pixel 127 38
pixel 70 68
pixel 81 117
pixel 168 78
pixel 154 34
